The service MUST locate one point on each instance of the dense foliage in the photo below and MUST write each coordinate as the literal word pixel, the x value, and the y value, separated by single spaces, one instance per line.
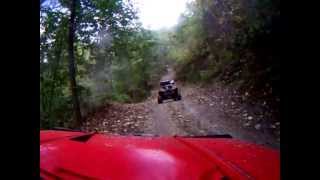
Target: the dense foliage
pixel 231 41
pixel 115 59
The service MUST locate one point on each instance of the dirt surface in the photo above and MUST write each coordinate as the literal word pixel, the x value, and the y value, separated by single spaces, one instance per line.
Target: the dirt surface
pixel 202 111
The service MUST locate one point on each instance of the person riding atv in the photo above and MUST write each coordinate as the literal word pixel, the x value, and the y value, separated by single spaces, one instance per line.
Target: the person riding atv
pixel 168 90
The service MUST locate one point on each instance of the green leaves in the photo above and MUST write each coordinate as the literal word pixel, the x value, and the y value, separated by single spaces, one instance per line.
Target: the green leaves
pixel 213 34
pixel 127 50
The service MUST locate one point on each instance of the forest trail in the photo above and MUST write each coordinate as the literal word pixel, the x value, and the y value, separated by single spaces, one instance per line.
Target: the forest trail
pixel 200 112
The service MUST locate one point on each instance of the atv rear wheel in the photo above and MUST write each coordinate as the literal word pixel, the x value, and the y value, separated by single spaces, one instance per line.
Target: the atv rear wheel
pixel 178 98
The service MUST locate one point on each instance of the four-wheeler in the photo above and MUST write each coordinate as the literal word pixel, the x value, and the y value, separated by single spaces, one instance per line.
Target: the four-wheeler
pixel 168 90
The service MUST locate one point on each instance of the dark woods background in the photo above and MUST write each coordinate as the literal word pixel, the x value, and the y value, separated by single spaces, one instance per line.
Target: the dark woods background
pixel 20 70
pixel 115 59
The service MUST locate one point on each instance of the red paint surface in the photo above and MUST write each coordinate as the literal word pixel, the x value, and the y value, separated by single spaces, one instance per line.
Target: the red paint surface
pixel 130 157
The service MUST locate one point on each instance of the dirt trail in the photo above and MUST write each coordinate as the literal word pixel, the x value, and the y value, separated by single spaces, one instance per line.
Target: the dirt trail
pixel 200 112
pixel 161 117
pixel 191 117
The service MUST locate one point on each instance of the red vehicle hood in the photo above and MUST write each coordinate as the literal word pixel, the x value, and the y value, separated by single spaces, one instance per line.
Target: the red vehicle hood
pixel 76 155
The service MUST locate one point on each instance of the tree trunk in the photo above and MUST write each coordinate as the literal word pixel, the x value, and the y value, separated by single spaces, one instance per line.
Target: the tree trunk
pixel 54 70
pixel 72 71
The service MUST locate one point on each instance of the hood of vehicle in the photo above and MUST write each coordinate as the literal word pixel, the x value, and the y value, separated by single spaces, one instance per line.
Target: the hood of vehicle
pixel 76 155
